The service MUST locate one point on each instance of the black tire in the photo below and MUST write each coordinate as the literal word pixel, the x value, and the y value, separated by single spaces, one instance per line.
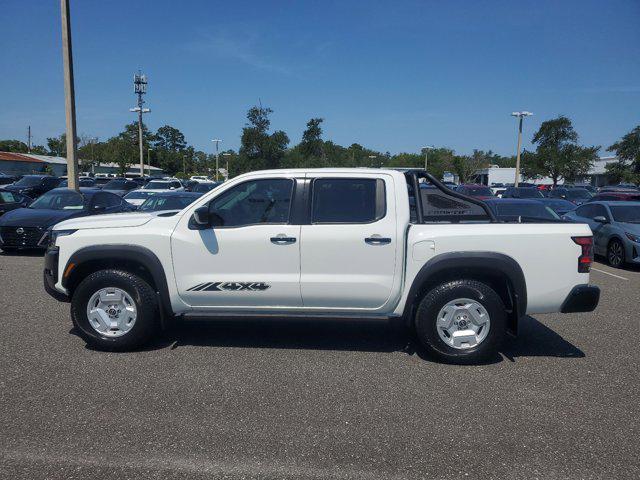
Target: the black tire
pixel 615 253
pixel 427 329
pixel 146 303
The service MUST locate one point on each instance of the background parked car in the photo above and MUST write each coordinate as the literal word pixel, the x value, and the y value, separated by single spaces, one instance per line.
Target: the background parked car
pixel 11 200
pixel 577 196
pixel 521 210
pixel 522 192
pixel 101 181
pixel 168 201
pixel 204 187
pixel 34 185
pixel 164 185
pixel 120 186
pixel 616 196
pixel 86 182
pixel 26 227
pixel 136 198
pixel 615 227
pixel 7 179
pixel 558 205
pixel 479 191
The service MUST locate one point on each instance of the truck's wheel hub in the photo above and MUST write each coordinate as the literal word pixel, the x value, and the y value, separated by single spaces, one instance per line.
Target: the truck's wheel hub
pixel 463 323
pixel 111 312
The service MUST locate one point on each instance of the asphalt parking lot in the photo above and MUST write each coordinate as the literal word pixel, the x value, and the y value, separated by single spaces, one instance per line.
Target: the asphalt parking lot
pixel 277 399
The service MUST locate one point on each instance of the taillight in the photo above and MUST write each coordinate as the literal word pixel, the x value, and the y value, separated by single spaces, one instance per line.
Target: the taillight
pixel 586 257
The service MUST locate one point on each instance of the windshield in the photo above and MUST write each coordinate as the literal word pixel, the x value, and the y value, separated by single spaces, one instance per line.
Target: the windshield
pixel 139 194
pixel 626 213
pixel 529 193
pixel 478 191
pixel 115 185
pixel 166 203
pixel 578 194
pixel 154 185
pixel 59 201
pixel 204 187
pixel 28 181
pixel 525 210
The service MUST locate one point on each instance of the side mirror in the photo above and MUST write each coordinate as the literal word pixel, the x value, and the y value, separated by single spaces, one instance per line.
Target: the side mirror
pixel 201 216
pixel 600 219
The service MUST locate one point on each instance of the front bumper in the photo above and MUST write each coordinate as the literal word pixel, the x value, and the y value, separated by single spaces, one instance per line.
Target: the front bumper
pixel 50 274
pixel 582 298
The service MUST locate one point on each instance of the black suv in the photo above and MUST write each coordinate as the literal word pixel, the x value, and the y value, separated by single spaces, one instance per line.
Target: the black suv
pixel 34 185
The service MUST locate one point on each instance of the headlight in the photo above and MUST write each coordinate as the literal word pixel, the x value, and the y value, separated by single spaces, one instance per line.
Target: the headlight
pixel 633 237
pixel 53 235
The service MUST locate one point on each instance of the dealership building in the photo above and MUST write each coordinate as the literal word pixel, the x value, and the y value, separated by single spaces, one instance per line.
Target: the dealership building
pixel 27 163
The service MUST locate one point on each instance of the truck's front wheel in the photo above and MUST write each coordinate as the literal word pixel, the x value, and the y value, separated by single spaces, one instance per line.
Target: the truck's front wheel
pixel 461 321
pixel 114 310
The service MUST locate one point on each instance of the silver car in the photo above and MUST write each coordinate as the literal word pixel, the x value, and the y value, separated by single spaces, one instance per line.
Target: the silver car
pixel 615 227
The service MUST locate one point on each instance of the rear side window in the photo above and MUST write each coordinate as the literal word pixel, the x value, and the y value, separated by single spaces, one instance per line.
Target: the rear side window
pixel 348 200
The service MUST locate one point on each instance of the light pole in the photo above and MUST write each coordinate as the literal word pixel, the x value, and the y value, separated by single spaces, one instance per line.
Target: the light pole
pixel 140 88
pixel 69 96
pixel 184 164
pixel 217 142
pixel 520 116
pixel 227 155
pixel 426 152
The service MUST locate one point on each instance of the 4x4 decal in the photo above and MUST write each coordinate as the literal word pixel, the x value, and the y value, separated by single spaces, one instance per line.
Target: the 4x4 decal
pixel 229 286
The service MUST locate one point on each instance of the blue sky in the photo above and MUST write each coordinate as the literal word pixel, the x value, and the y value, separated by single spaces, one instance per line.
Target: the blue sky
pixel 393 76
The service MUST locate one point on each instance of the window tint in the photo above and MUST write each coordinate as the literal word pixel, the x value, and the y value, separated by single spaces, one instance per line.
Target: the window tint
pixel 348 200
pixel 255 202
pixel 106 200
pixel 585 211
pixel 599 211
pixel 8 197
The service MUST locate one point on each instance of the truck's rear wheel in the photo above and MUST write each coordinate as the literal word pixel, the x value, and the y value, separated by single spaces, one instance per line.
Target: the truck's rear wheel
pixel 115 310
pixel 461 321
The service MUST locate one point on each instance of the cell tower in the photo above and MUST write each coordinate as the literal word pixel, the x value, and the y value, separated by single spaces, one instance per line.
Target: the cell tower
pixel 140 88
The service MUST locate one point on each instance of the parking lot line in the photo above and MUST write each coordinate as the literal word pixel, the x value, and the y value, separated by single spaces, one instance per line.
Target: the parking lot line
pixel 607 273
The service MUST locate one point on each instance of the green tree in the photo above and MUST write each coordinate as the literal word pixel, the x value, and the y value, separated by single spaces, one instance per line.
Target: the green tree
pixel 627 150
pixel 170 138
pixel 15 146
pixel 465 166
pixel 312 144
pixel 57 145
pixel 558 154
pixel 258 148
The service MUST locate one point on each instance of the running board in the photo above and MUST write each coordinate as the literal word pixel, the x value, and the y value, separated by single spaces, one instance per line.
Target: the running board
pixel 283 316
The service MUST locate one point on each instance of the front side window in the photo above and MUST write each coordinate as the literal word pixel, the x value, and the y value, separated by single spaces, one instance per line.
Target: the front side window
pixel 348 200
pixel 106 200
pixel 255 202
pixel 586 211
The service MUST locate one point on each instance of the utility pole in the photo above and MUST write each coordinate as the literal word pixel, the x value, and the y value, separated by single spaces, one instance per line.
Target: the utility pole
pixel 217 142
pixel 69 96
pixel 140 88
pixel 520 116
pixel 184 164
pixel 227 155
pixel 426 152
pixel 29 139
pixel 149 160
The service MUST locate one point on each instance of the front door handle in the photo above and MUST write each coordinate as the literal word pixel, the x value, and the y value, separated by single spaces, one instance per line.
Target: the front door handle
pixel 377 240
pixel 283 240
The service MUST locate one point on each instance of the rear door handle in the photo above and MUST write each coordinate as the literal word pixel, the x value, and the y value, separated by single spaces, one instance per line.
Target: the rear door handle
pixel 283 240
pixel 377 240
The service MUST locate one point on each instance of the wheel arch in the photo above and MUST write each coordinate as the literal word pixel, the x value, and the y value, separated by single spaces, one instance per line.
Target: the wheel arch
pixel 499 271
pixel 131 258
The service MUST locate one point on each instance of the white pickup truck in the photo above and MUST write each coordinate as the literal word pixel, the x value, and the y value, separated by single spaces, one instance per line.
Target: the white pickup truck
pixel 334 243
